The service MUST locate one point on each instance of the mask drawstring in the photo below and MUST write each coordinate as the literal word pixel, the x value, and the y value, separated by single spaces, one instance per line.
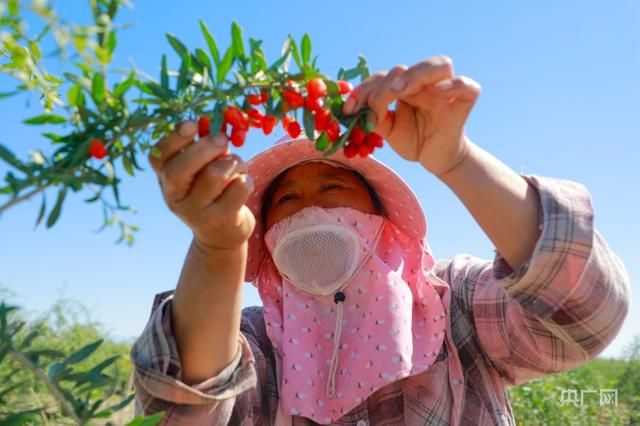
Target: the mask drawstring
pixel 338 298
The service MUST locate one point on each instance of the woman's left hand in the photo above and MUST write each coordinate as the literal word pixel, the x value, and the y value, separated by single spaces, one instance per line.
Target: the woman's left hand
pixel 428 124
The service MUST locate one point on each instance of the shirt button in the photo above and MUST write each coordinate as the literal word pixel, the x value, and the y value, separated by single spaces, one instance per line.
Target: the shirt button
pixel 361 423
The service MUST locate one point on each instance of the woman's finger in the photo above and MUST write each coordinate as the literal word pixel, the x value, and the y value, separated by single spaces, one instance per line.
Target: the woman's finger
pixel 416 78
pixel 234 195
pixel 178 173
pixel 171 144
pixel 381 95
pixel 462 93
pixel 358 96
pixel 211 181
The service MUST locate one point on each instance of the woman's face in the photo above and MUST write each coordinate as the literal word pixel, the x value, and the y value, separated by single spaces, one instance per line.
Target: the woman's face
pixel 318 184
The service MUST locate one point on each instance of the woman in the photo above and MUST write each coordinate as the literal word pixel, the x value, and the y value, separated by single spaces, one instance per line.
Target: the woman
pixel 359 324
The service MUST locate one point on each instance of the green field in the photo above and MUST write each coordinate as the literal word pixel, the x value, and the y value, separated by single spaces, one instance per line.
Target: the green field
pixel 94 380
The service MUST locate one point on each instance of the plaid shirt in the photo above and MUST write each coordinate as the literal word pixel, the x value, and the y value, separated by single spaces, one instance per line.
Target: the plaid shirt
pixel 555 312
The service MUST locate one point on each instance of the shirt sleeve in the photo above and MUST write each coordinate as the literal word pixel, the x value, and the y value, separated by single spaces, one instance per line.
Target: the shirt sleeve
pixel 229 397
pixel 560 308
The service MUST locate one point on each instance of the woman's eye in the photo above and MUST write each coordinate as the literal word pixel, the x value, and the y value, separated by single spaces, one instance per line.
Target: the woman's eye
pixel 331 186
pixel 287 197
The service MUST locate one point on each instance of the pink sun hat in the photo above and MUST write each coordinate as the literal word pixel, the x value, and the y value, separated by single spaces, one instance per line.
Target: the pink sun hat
pixel 400 202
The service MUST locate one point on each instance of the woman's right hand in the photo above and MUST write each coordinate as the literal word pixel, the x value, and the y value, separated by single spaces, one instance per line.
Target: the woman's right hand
pixel 205 187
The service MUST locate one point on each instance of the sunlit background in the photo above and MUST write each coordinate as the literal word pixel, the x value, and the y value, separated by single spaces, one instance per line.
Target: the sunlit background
pixel 560 92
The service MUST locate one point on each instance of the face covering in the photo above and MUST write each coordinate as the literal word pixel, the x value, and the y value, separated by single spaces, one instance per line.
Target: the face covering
pixel 348 308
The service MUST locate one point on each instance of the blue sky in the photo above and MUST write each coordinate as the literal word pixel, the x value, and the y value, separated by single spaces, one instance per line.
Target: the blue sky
pixel 559 98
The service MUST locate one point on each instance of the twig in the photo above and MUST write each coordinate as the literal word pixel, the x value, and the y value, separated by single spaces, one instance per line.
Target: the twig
pixel 53 388
pixel 24 197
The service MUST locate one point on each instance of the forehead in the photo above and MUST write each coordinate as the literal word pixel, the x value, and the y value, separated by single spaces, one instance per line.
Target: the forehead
pixel 315 170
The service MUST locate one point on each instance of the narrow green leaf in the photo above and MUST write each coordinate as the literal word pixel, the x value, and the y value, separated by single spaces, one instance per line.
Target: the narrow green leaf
pixel 11 158
pixel 72 95
pixel 236 40
pixel 111 42
pixel 293 47
pixel 122 88
pixel 309 123
pixel 164 74
pixel 46 119
pixel 177 45
pixel 225 65
pixel 82 353
pixel 8 94
pixel 55 213
pixel 147 421
pixel 323 142
pixel 306 49
pixel 98 88
pixel 211 42
pixel 43 208
pixel 204 59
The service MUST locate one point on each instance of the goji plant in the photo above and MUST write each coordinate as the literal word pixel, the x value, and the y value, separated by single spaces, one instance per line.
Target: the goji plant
pixel 106 117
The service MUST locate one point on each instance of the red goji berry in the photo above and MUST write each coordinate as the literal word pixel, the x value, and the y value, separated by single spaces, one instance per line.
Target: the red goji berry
pixel 293 98
pixel 313 104
pixel 317 88
pixel 223 127
pixel 204 126
pixel 322 119
pixel 236 118
pixel 268 123
pixel 357 136
pixel 286 120
pixel 350 151
pixel 375 140
pixel 254 114
pixel 363 150
pixel 344 87
pixel 294 129
pixel 238 136
pixel 390 115
pixel 333 130
pixel 97 149
pixel 254 99
pixel 264 97
pixel 257 123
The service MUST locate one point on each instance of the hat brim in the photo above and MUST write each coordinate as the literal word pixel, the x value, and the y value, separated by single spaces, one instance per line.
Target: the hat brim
pixel 400 202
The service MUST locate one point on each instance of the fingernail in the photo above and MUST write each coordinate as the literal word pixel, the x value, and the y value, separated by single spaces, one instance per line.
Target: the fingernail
pixel 187 128
pixel 250 184
pixel 445 85
pixel 399 84
pixel 350 105
pixel 220 140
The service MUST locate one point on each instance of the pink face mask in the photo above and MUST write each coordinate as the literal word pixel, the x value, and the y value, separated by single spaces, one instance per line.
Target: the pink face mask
pixel 348 308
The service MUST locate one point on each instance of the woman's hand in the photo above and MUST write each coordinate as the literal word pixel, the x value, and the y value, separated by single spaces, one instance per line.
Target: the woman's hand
pixel 432 106
pixel 205 187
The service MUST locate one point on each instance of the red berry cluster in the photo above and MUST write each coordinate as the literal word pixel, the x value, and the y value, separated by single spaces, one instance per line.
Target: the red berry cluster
pixel 97 149
pixel 316 91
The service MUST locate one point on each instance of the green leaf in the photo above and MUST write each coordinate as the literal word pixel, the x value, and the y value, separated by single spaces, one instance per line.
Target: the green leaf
pixel 211 42
pixel 158 90
pixel 183 75
pixel 122 88
pixel 111 42
pixel 147 421
pixel 55 213
pixel 11 158
pixel 306 49
pixel 46 119
pixel 8 94
pixel 72 95
pixel 98 88
pixel 225 65
pixel 20 418
pixel 293 48
pixel 177 45
pixel 204 59
pixel 236 40
pixel 82 353
pixel 164 74
pixel 323 142
pixel 43 208
pixel 309 123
